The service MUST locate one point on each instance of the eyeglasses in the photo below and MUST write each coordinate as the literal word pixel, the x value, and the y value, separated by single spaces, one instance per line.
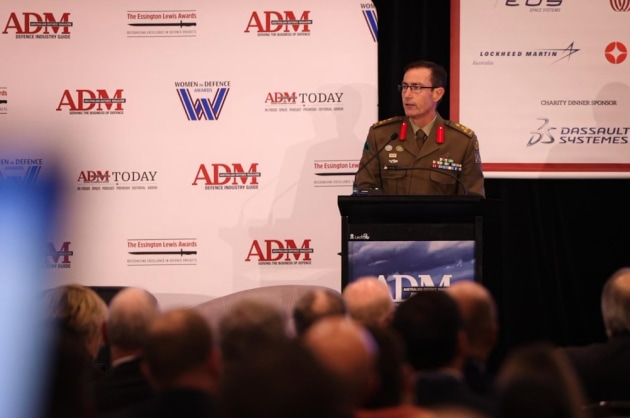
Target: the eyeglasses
pixel 415 88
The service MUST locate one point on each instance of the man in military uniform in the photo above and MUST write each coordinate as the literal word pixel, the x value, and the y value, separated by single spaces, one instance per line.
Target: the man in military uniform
pixel 421 153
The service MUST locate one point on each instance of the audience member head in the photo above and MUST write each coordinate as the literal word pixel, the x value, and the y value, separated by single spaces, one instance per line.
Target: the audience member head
pixel 394 385
pixel 479 314
pixel 348 350
pixel 369 301
pixel 316 304
pixel 615 303
pixel 430 325
pixel 81 310
pixel 130 312
pixel 248 324
pixel 178 352
pixel 537 380
pixel 282 379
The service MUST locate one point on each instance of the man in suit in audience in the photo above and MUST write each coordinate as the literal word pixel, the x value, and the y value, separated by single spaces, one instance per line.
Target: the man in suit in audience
pixel 431 327
pixel 479 314
pixel 314 305
pixel 604 368
pixel 181 362
pixel 130 313
pixel 369 301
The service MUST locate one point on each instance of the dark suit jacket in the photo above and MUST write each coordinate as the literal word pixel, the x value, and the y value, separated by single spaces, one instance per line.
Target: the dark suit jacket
pixel 603 369
pixel 173 403
pixel 440 389
pixel 122 386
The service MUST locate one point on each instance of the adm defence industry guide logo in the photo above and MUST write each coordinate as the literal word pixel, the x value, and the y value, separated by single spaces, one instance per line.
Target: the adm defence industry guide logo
pixel 45 25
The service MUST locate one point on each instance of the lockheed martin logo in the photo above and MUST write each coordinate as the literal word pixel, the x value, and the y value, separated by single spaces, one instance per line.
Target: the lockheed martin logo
pixel 559 53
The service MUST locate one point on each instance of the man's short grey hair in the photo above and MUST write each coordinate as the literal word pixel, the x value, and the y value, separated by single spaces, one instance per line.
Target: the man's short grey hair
pixel 130 313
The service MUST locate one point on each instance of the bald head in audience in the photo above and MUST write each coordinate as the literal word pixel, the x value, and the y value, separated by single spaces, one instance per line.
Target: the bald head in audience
pixel 615 303
pixel 130 312
pixel 369 301
pixel 347 350
pixel 314 305
pixel 479 314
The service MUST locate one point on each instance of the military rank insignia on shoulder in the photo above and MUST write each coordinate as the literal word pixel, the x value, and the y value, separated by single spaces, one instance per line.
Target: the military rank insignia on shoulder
pixel 461 128
pixel 388 121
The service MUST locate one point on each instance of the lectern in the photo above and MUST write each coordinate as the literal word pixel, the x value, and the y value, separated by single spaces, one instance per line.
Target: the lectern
pixel 412 242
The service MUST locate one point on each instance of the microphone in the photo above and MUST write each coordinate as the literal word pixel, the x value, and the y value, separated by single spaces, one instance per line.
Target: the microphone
pixel 355 188
pixel 459 182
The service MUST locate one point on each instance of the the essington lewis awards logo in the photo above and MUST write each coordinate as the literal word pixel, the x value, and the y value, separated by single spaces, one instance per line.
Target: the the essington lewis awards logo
pixel 58 258
pixel 219 176
pixel 92 102
pixel 274 23
pixel 280 252
pixel 162 252
pixel 46 25
pixel 202 108
pixel 163 24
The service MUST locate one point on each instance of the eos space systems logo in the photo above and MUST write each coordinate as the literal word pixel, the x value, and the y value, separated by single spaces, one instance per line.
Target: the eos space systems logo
pixel 202 108
pixel 219 176
pixel 280 252
pixel 58 257
pixel 92 102
pixel 31 25
pixel 606 135
pixel 275 23
pixel 96 180
pixel 20 170
pixel 536 6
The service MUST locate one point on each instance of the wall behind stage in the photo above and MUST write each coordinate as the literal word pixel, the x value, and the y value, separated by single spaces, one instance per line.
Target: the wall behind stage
pixel 202 144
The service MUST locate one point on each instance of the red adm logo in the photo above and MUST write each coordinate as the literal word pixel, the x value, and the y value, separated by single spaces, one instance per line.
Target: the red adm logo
pixel 33 23
pixel 60 258
pixel 223 176
pixel 86 100
pixel 276 252
pixel 273 22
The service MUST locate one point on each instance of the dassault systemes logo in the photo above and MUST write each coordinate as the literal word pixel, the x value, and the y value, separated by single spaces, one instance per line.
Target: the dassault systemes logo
pixel 203 108
pixel 616 52
pixel 39 26
pixel 277 252
pixel 20 170
pixel 620 5
pixel 578 135
pixel 274 23
pixel 369 13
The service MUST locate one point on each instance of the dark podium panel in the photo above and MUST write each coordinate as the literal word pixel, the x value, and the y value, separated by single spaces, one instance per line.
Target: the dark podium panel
pixel 412 242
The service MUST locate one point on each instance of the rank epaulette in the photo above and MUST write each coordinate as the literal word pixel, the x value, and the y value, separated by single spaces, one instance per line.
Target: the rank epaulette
pixel 387 121
pixel 461 128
